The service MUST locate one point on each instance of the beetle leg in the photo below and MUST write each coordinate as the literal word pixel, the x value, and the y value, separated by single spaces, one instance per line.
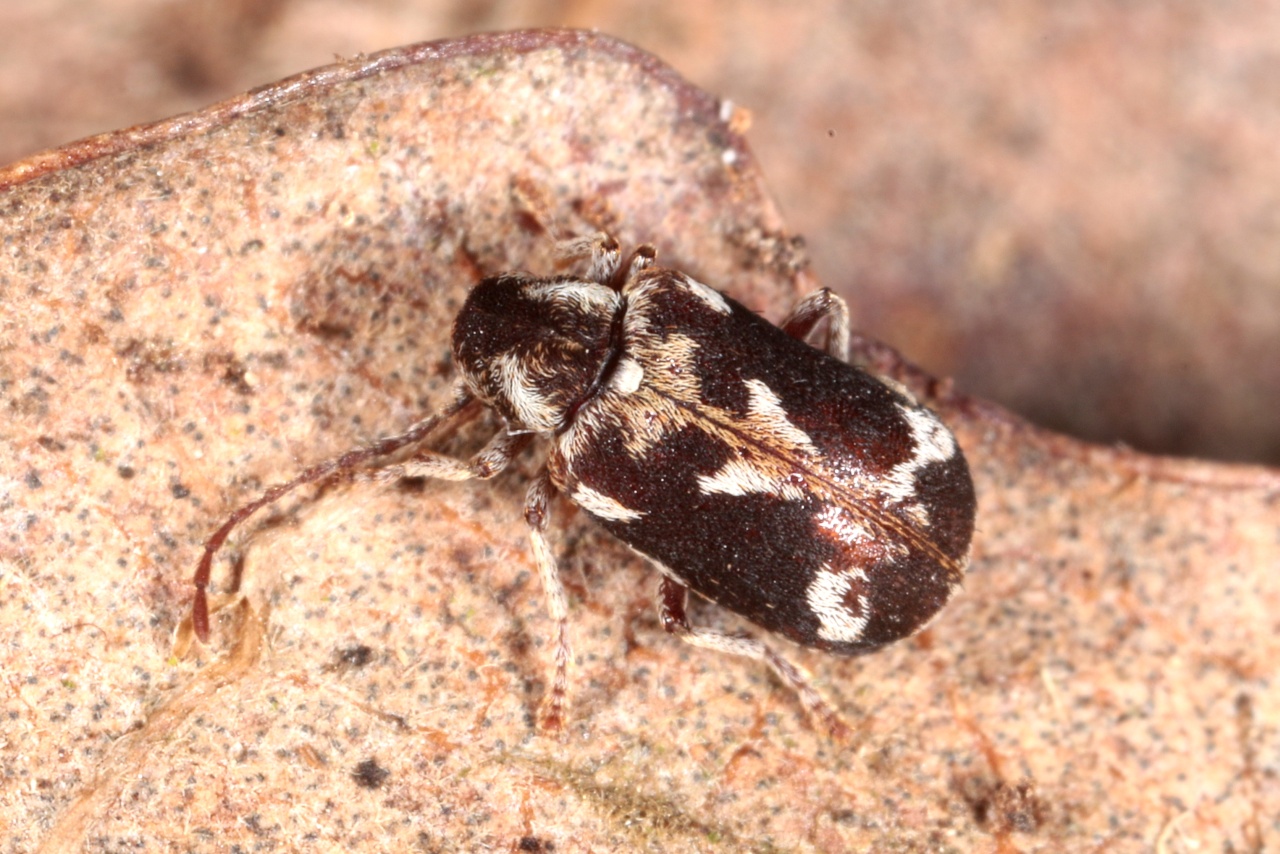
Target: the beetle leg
pixel 495 457
pixel 603 251
pixel 537 513
pixel 672 599
pixel 641 259
pixel 811 310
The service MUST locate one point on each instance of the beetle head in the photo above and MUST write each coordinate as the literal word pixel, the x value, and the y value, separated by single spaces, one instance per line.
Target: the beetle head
pixel 534 349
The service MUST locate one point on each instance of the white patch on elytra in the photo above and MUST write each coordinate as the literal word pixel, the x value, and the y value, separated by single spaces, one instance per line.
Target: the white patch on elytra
pixel 917 513
pixel 739 477
pixel 933 444
pixel 601 505
pixel 768 415
pixel 826 598
pixel 767 418
pixel 713 298
pixel 839 522
pixel 627 376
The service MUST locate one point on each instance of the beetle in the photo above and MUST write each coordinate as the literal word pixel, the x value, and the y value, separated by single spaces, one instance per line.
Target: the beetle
pixel 773 478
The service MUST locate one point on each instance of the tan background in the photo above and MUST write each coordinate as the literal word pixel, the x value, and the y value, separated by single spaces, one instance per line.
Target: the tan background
pixel 1106 682
pixel 1071 207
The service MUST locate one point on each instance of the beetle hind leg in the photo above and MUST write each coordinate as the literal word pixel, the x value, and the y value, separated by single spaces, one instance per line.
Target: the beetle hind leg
pixel 673 597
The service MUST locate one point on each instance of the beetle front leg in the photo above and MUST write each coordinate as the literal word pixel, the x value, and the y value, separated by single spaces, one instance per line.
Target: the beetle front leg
pixel 811 310
pixel 491 460
pixel 672 599
pixel 601 248
pixel 537 514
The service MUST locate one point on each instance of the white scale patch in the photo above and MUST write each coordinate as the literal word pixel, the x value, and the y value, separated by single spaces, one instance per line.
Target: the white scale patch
pixel 713 298
pixel 934 444
pixel 842 525
pixel 768 415
pixel 531 407
pixel 917 513
pixel 601 505
pixel 826 598
pixel 738 477
pixel 627 377
pixel 588 297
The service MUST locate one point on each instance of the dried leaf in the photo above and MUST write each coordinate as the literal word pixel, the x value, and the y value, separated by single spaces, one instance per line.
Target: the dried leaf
pixel 195 309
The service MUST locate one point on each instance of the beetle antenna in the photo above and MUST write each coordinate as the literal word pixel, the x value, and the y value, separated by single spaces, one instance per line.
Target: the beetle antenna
pixel 341 466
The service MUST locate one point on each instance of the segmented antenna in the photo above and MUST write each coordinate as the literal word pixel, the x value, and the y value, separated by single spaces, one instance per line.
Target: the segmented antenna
pixel 342 466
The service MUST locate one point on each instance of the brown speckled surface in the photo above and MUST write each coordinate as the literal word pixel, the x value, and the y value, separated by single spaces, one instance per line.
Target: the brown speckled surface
pixel 197 309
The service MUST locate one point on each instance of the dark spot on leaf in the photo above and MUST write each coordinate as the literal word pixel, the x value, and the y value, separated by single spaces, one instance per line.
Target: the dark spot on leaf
pixel 1003 808
pixel 353 657
pixel 369 774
